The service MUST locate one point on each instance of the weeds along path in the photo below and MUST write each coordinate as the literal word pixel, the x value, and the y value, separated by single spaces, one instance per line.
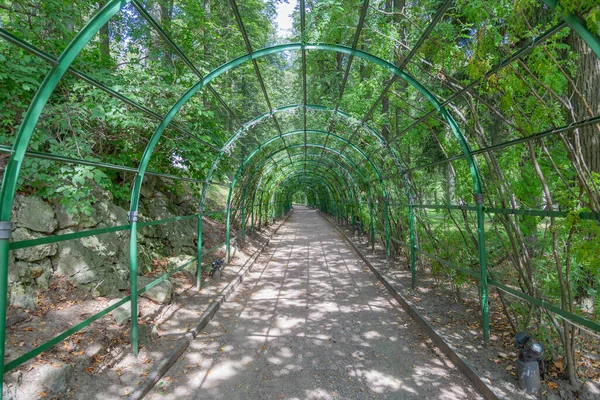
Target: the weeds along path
pixel 311 322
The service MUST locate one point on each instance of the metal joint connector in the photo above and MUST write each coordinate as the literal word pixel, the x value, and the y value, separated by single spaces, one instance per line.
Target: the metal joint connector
pixel 479 198
pixel 133 216
pixel 200 210
pixel 228 207
pixel 5 230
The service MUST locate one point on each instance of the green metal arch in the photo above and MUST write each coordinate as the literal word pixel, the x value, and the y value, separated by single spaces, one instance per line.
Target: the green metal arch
pixel 282 189
pixel 317 132
pixel 256 120
pixel 310 177
pixel 336 163
pixel 276 187
pixel 263 190
pixel 287 168
pixel 252 154
pixel 333 180
pixel 49 83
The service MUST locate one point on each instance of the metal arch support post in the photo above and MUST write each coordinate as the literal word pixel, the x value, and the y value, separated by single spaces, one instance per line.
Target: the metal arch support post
pixel 371 222
pixel 243 206
pixel 228 229
pixel 11 174
pixel 413 266
pixel 387 228
pixel 199 249
pixel 482 269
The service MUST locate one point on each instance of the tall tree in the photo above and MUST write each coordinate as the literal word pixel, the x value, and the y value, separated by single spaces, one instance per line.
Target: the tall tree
pixel 585 97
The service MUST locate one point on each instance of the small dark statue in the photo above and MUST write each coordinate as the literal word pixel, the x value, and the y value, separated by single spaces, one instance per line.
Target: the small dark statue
pixel 215 272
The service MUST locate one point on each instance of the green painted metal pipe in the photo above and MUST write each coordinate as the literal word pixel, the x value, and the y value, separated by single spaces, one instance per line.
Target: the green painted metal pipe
pixel 579 27
pixel 300 174
pixel 133 271
pixel 255 151
pixel 483 271
pixel 322 178
pixel 413 266
pixel 334 175
pixel 387 230
pixel 319 162
pixel 199 251
pixel 372 225
pixel 13 167
pixel 3 297
pixel 329 149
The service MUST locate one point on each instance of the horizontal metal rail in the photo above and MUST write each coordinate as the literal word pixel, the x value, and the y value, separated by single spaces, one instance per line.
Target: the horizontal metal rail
pixel 570 317
pixel 540 135
pixel 9 37
pixel 587 215
pixel 57 339
pixel 46 156
pixel 22 244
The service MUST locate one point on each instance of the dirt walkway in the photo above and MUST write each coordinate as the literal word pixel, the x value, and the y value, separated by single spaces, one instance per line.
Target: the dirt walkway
pixel 311 322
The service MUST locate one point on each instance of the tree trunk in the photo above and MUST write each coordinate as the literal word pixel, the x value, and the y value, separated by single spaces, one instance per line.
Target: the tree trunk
pixel 166 17
pixel 104 40
pixel 402 85
pixel 586 102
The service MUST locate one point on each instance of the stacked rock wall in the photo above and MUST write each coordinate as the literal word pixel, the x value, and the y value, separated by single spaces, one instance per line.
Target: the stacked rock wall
pixel 98 264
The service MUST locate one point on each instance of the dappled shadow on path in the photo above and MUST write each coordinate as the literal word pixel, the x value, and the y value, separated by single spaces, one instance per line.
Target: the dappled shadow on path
pixel 311 322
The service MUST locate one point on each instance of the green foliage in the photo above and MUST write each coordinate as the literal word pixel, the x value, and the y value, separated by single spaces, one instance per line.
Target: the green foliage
pixel 83 122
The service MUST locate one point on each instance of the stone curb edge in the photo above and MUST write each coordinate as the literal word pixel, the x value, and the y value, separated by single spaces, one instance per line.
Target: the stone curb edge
pixel 450 351
pixel 163 366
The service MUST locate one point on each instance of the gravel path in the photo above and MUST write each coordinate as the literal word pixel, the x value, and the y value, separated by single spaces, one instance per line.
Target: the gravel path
pixel 311 322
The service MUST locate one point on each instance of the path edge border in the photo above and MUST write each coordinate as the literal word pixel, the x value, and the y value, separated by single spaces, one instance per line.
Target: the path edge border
pixel 450 351
pixel 161 368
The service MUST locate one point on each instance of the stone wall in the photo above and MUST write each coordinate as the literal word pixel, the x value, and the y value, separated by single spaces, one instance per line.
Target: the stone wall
pixel 98 264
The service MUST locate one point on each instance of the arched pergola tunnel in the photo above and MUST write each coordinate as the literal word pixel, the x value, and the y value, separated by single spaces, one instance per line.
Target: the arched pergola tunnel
pixel 337 158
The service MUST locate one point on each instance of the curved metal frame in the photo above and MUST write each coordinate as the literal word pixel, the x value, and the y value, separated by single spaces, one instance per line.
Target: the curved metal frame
pixel 318 162
pixel 64 62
